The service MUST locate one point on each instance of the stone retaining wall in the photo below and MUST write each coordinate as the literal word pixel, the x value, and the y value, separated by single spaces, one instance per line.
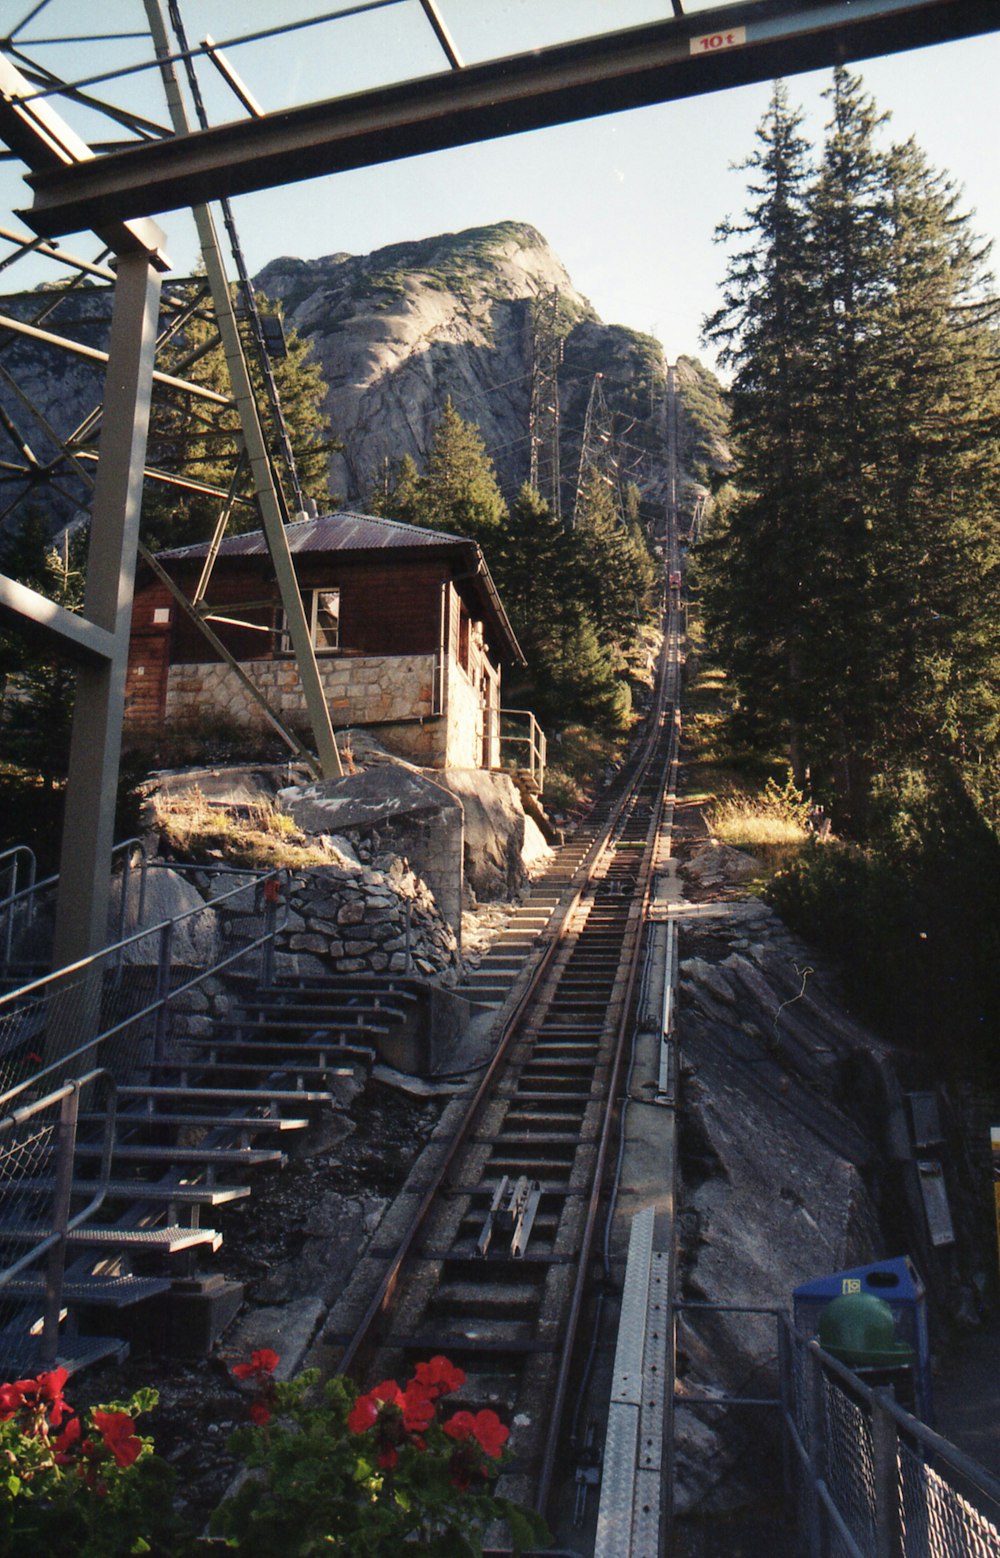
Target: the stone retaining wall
pixel 379 918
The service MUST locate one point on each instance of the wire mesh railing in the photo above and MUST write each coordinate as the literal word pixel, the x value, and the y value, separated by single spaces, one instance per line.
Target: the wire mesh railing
pixel 27 913
pixel 122 1007
pixel 873 1481
pixel 85 1030
pixel 41 1206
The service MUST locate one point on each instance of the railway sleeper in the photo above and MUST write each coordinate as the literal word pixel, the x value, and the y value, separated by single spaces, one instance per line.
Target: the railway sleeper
pixel 487 1299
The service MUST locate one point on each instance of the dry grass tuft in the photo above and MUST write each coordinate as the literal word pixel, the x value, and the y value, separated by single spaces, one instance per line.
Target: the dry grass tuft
pixel 256 835
pixel 772 823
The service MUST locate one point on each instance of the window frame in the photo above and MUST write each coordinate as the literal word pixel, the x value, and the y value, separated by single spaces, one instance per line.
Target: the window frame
pixel 311 602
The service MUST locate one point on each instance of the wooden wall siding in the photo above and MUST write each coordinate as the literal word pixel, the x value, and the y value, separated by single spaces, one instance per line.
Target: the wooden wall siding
pixel 385 608
pixel 149 657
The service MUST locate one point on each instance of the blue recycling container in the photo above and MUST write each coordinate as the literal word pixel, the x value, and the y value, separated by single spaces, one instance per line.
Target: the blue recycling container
pixel 873 1319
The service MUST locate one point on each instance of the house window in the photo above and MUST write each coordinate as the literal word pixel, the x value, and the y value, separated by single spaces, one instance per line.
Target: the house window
pixel 322 609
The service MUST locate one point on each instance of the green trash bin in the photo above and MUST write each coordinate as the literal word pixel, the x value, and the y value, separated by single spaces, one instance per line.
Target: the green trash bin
pixel 859 1330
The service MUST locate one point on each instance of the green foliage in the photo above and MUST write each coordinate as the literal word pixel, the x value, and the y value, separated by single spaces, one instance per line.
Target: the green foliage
pixel 457 493
pixel 37 690
pixel 367 1475
pixel 852 589
pixel 916 922
pixel 85 1483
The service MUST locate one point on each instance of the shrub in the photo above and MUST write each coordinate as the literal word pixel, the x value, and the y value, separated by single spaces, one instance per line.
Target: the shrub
pixel 82 1483
pixel 363 1474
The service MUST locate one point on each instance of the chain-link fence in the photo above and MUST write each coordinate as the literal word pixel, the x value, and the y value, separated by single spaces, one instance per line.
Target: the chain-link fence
pixel 41 1206
pixel 123 1007
pixel 872 1481
pixel 28 908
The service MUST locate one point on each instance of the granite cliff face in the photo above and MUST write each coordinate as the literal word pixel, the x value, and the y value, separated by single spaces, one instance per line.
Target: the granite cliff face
pixel 397 332
pixel 400 330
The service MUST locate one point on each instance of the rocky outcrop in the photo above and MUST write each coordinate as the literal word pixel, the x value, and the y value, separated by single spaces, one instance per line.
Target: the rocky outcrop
pixel 794 1164
pixel 501 842
pixel 397 332
pixel 394 809
pixel 400 330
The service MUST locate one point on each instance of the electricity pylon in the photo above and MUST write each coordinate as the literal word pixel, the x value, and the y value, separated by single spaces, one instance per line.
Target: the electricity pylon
pixel 598 453
pixel 543 417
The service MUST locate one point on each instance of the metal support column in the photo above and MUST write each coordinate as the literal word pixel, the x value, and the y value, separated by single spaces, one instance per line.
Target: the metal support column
pixel 95 747
pixel 268 498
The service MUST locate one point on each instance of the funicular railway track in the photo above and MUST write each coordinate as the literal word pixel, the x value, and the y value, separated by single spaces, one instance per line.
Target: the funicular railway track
pixel 493 1269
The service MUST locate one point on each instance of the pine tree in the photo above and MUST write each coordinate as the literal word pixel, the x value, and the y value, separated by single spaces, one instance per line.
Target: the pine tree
pixel 854 584
pixel 195 439
pixel 614 569
pixel 459 489
pixel 759 567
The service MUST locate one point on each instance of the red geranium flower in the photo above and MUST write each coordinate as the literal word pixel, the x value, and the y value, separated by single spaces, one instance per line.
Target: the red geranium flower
pixel 44 1392
pixel 262 1363
pixel 260 1413
pixel 11 1401
pixel 118 1432
pixel 438 1377
pixel 485 1427
pixel 365 1410
pixel 417 1407
pixel 66 1440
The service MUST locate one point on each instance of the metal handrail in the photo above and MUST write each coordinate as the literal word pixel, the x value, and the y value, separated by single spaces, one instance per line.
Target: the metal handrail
pixel 26 896
pixel 535 741
pixel 890 1424
pixel 7 903
pixel 115 952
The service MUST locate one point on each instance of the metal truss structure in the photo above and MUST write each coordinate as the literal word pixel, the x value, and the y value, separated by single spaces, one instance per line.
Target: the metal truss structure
pixel 107 142
pixel 543 417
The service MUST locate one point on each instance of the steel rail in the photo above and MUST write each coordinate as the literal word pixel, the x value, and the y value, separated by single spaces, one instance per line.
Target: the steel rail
pixel 555 936
pixel 369 1335
pixel 667 695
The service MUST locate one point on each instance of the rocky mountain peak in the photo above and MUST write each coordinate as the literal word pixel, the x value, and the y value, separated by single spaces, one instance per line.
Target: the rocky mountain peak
pixel 400 330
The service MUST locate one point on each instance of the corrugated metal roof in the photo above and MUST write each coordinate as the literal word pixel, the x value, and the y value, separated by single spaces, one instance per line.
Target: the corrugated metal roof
pixel 341 532
pixel 347 532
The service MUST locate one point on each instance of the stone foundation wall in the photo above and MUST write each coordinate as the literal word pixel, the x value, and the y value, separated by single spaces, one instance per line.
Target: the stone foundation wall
pixel 365 690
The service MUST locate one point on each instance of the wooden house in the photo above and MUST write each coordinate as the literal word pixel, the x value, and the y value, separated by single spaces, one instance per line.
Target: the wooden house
pixel 409 631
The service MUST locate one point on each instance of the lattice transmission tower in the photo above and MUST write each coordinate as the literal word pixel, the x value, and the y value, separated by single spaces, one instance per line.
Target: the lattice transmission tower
pixel 599 458
pixel 543 416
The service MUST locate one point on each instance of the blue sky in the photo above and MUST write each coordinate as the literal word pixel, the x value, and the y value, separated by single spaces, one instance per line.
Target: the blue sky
pixel 628 201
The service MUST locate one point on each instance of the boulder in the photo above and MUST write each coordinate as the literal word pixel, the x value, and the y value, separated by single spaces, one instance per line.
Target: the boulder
pixel 196 938
pixel 496 831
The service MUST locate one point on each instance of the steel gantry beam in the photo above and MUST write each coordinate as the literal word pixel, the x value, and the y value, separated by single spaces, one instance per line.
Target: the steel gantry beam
pixel 686 55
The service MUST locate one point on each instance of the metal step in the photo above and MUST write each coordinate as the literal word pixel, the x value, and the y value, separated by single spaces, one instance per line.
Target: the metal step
pixel 311 1015
pixel 240 1031
pixel 109 1292
pixel 244 1157
pixel 132 1119
pixel 24 1358
pixel 169 1240
pixel 141 1190
pixel 261 1068
pixel 236 1095
pixel 277 1047
pixel 400 986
